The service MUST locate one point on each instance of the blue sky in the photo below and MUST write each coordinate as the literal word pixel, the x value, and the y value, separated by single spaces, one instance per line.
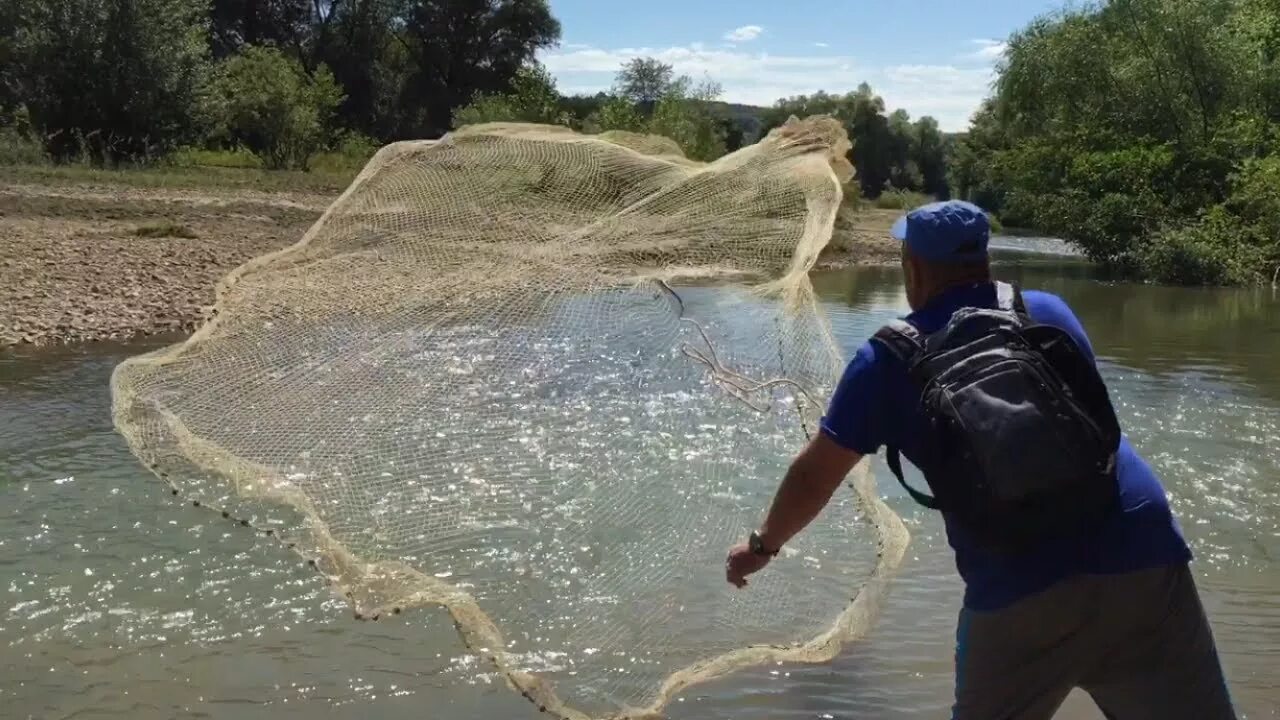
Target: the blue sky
pixel 931 57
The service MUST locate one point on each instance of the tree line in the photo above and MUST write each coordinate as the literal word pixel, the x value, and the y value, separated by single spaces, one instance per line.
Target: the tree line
pixel 129 80
pixel 125 79
pixel 890 151
pixel 1146 131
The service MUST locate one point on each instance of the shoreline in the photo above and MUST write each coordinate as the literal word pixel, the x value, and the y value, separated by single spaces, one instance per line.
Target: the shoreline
pixel 87 262
pixel 83 262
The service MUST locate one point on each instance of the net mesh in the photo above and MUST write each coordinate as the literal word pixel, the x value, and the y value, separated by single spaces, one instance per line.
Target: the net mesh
pixel 544 380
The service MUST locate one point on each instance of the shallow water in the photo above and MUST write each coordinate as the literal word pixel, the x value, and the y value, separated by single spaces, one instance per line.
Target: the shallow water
pixel 116 601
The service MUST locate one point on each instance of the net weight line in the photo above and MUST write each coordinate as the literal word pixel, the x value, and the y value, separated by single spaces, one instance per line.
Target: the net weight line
pixel 737 385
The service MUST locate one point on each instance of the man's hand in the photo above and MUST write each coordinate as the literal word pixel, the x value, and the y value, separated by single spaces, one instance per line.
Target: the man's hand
pixel 807 488
pixel 742 562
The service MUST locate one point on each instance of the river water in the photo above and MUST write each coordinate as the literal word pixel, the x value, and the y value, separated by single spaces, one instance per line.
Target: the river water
pixel 116 601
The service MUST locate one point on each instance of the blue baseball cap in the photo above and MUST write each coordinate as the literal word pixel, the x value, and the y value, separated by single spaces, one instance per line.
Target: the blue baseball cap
pixel 945 232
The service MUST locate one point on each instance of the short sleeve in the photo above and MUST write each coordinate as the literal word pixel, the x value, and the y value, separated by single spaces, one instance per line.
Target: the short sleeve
pixel 851 419
pixel 1049 309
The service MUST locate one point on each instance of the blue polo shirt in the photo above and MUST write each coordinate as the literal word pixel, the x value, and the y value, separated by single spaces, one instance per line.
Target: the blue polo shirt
pixel 875 405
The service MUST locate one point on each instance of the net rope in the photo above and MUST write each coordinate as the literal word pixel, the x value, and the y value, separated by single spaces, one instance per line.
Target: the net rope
pixel 543 380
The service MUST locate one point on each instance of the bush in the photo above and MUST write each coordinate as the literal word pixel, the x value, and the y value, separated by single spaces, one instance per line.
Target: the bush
pixel 1255 193
pixel 110 81
pixel 239 157
pixel 894 199
pixel 533 98
pixel 1219 249
pixel 267 102
pixel 684 114
pixel 18 148
pixel 351 153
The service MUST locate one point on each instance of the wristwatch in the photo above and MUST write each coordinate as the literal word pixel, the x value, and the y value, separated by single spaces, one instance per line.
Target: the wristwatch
pixel 756 544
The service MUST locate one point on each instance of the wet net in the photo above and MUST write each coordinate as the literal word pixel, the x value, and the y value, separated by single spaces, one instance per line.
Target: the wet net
pixel 543 380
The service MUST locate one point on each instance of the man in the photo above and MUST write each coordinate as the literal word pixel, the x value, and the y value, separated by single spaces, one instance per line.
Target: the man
pixel 1112 610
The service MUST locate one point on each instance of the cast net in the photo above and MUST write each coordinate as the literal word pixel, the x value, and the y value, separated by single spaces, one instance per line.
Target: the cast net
pixel 543 380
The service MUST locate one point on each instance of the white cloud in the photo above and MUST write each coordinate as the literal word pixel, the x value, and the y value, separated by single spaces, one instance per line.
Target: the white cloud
pixel 746 33
pixel 950 93
pixel 821 45
pixel 988 50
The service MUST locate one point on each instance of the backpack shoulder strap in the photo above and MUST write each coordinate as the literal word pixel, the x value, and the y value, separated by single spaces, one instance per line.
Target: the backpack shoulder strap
pixel 1009 297
pixel 902 339
pixel 894 460
pixel 906 343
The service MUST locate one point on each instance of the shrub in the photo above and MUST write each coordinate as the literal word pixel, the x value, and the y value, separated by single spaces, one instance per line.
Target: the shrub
pixel 239 157
pixel 895 199
pixel 684 114
pixel 1219 249
pixel 110 81
pixel 533 98
pixel 18 148
pixel 351 153
pixel 267 102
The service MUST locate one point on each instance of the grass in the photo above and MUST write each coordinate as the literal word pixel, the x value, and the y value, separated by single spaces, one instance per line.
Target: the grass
pixel 162 176
pixel 165 229
pixel 24 161
pixel 902 200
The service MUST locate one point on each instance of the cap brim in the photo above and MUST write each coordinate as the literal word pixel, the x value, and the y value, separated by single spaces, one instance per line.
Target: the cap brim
pixel 899 229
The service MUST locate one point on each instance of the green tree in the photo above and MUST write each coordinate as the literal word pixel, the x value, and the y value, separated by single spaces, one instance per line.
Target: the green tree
pixel 929 152
pixel 644 81
pixel 461 47
pixel 108 78
pixel 234 24
pixel 684 114
pixel 531 98
pixel 617 113
pixel 1138 129
pixel 888 151
pixel 267 102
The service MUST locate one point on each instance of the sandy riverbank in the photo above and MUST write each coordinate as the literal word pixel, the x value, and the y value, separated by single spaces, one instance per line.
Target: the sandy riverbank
pixel 83 261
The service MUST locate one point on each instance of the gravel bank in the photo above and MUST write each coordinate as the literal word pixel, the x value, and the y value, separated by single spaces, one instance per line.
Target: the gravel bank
pixel 81 262
pixel 85 262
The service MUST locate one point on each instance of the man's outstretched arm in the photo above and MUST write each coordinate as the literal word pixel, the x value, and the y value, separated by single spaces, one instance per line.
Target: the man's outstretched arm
pixel 806 489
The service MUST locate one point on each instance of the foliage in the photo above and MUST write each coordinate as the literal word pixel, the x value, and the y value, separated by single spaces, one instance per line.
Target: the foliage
pixel 19 148
pixel 894 199
pixel 1143 130
pixel 1220 248
pixel 888 150
pixel 685 112
pixel 644 81
pixel 348 155
pixel 235 157
pixel 685 115
pixel 109 80
pixel 265 101
pixel 617 113
pixel 461 48
pixel 239 23
pixel 532 98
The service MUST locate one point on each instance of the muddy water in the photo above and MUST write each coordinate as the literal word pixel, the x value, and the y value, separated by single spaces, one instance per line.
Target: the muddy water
pixel 117 602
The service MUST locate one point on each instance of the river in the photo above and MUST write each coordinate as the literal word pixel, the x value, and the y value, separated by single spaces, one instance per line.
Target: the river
pixel 115 601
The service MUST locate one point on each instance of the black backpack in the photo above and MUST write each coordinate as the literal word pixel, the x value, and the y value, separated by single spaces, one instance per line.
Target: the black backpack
pixel 1020 435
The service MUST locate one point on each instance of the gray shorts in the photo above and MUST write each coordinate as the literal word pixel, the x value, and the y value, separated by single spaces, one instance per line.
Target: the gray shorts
pixel 1138 643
